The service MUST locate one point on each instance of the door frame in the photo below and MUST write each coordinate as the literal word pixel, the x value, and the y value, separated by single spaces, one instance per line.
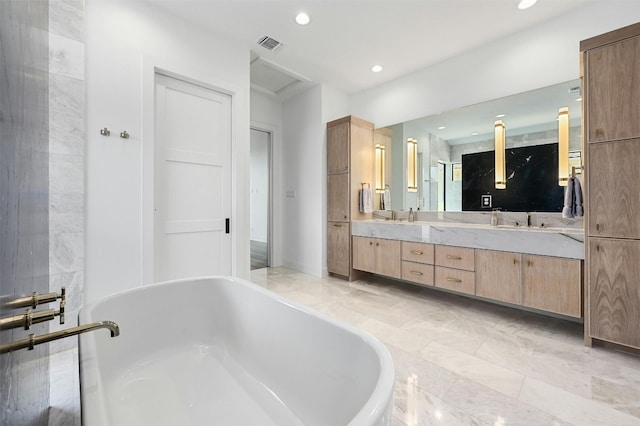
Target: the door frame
pixel 275 192
pixel 239 226
pixel 270 196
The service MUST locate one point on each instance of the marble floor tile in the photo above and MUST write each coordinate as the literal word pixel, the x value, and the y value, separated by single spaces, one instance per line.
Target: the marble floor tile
pixel 483 364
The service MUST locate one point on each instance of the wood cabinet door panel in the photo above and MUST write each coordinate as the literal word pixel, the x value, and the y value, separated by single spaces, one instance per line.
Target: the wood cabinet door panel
pixel 388 258
pixel 553 284
pixel 338 197
pixel 338 248
pixel 614 286
pixel 613 90
pixel 338 148
pixel 364 255
pixel 614 198
pixel 498 276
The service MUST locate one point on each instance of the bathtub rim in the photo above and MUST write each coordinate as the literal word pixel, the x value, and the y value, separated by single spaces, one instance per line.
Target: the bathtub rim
pixel 377 405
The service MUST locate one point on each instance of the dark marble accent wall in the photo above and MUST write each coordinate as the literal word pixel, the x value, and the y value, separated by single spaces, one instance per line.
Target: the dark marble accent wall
pixel 532 180
pixel 24 199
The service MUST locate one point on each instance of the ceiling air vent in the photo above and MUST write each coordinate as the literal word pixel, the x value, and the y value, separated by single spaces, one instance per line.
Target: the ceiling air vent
pixel 270 43
pixel 574 90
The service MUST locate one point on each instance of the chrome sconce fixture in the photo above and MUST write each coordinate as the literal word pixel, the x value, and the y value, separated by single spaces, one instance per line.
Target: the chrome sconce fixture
pixel 412 165
pixel 563 146
pixel 380 169
pixel 500 165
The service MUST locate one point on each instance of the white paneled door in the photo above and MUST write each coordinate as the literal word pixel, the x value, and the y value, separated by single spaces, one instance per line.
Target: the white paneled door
pixel 192 180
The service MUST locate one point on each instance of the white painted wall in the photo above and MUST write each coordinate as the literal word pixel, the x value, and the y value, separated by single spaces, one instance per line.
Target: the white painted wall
pixel 259 184
pixel 303 204
pixel 124 41
pixel 266 114
pixel 536 57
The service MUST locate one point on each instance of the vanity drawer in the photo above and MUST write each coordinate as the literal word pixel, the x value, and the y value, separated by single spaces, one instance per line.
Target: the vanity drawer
pixel 417 272
pixel 417 252
pixel 455 279
pixel 455 257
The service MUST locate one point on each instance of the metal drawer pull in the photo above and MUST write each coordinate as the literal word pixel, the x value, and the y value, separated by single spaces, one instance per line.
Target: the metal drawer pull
pixel 337 225
pixel 417 273
pixel 452 257
pixel 454 280
pixel 416 252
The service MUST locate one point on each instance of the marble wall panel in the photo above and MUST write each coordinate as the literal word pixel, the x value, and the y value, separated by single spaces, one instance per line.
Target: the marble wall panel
pixel 24 228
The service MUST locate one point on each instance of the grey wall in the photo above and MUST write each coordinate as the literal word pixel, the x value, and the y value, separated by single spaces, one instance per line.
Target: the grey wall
pixel 24 199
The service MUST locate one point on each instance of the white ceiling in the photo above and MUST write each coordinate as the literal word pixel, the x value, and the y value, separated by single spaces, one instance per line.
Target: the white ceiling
pixel 347 37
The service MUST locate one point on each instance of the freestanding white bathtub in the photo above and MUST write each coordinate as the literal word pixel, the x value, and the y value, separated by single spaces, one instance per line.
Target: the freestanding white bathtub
pixel 223 351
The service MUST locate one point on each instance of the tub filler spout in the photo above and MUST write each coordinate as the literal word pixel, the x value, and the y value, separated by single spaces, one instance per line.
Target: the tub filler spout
pixel 33 340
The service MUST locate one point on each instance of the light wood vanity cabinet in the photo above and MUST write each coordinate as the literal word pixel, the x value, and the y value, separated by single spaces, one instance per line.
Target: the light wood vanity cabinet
pixel 498 276
pixel 349 164
pixel 552 284
pixel 378 256
pixel 611 128
pixel 417 262
pixel 454 268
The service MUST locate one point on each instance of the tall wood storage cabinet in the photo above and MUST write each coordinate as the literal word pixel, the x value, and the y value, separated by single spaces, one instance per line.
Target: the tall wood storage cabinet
pixel 611 114
pixel 349 166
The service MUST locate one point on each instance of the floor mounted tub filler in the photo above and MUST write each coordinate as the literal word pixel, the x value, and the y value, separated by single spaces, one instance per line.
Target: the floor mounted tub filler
pixel 224 351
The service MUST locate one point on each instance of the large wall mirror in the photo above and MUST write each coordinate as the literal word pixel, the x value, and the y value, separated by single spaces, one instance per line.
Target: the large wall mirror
pixel 456 154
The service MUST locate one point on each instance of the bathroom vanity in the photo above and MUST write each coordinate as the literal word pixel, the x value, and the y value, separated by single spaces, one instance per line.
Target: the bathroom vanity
pixel 535 268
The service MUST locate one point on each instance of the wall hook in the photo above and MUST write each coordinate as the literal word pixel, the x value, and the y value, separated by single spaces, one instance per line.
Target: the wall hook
pixel 124 134
pixel 105 132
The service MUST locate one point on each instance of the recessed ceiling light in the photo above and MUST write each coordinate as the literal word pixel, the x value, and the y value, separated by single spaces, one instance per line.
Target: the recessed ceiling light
pixel 474 134
pixel 441 128
pixel 579 100
pixel 376 68
pixel 500 115
pixel 526 4
pixel 302 18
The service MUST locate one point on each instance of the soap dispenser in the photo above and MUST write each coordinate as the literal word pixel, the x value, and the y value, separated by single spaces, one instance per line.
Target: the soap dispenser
pixel 411 218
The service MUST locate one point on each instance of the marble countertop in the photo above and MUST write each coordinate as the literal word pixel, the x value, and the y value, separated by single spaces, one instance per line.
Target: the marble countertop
pixel 558 242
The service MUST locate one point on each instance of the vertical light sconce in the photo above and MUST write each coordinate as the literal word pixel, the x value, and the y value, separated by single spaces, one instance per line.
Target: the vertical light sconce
pixel 380 170
pixel 500 166
pixel 412 165
pixel 563 146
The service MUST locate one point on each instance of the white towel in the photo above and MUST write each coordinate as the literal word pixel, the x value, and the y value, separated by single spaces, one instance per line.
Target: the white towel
pixel 387 199
pixel 366 201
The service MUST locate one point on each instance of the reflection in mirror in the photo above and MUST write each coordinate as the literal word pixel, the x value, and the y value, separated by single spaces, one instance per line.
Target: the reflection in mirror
pixel 445 140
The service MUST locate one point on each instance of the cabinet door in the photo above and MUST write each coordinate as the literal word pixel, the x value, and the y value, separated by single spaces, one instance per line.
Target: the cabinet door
pixel 613 90
pixel 364 255
pixel 614 290
pixel 338 248
pixel 388 258
pixel 614 198
pixel 338 197
pixel 498 276
pixel 338 148
pixel 553 284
